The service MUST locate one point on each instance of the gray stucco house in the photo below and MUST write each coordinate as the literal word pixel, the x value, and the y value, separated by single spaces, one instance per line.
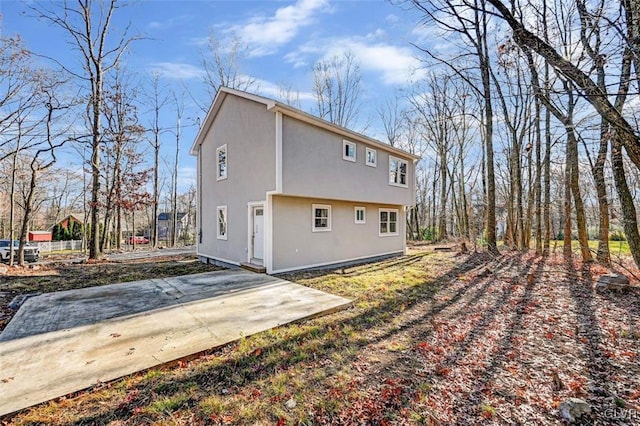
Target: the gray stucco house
pixel 281 188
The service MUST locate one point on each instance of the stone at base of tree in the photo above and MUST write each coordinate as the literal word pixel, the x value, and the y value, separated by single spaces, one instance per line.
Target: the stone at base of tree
pixel 617 282
pixel 3 269
pixel 574 408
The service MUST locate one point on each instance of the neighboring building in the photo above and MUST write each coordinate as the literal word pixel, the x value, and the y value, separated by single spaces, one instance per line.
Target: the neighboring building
pixel 281 188
pixel 64 223
pixel 39 236
pixel 165 224
pixel 69 228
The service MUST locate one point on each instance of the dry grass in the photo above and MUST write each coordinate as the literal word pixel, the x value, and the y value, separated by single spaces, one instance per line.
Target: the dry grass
pixel 433 338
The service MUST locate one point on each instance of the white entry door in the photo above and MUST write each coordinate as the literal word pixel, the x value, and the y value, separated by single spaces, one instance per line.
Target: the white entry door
pixel 258 233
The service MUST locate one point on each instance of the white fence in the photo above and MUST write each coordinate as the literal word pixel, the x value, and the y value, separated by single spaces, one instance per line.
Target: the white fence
pixel 49 246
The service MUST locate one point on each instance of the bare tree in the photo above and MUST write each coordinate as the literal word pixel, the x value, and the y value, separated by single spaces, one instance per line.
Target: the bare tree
pixel 222 67
pixel 288 95
pixel 44 150
pixel 159 101
pixel 89 27
pixel 391 116
pixel 469 20
pixel 337 87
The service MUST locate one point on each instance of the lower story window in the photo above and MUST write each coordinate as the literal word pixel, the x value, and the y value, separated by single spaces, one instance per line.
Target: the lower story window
pixel 321 217
pixel 388 222
pixel 360 215
pixel 222 222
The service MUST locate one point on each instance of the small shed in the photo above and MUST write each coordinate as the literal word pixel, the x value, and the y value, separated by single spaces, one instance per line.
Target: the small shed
pixel 37 236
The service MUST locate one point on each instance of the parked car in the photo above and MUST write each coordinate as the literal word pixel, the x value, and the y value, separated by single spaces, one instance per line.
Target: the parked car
pixel 138 239
pixel 31 252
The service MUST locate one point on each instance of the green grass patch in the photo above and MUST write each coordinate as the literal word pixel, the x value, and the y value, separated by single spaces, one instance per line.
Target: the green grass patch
pixel 286 373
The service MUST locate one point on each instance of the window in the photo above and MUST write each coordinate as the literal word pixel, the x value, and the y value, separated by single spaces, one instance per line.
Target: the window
pixel 360 215
pixel 348 151
pixel 398 171
pixel 371 155
pixel 321 217
pixel 388 222
pixel 221 162
pixel 222 222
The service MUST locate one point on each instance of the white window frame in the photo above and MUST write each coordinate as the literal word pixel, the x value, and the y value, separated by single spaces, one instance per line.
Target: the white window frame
pixel 220 176
pixel 346 143
pixel 388 221
pixel 219 235
pixel 395 179
pixel 355 215
pixel 373 163
pixel 314 207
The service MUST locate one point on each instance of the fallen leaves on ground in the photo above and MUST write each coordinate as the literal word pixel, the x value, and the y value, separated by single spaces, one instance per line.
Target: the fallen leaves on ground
pixel 433 338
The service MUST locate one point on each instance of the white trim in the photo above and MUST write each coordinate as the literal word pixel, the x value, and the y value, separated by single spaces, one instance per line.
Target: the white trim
pixel 346 143
pixel 406 177
pixel 226 162
pixel 219 259
pixel 313 217
pixel 226 223
pixel 200 232
pixel 404 233
pixel 388 234
pixel 250 249
pixel 334 262
pixel 268 233
pixel 278 151
pixel 355 215
pixel 375 157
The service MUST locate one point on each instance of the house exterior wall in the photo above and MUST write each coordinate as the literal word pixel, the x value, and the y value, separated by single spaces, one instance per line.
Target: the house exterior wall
pixel 313 166
pixel 248 130
pixel 295 246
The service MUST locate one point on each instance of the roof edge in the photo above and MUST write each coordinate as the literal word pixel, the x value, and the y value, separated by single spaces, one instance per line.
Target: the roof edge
pixel 274 105
pixel 317 121
pixel 221 94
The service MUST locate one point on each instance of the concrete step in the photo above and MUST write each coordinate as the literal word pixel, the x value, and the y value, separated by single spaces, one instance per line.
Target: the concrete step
pixel 253 267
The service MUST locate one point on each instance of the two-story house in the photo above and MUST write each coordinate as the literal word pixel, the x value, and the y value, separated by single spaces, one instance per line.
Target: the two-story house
pixel 281 188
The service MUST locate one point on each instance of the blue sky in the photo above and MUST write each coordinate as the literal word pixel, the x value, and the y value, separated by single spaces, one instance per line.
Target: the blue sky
pixel 284 40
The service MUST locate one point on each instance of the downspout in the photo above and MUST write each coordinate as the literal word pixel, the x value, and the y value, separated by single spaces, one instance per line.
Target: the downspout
pixel 199 199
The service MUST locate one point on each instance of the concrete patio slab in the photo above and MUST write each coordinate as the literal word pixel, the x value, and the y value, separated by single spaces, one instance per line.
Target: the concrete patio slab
pixel 63 342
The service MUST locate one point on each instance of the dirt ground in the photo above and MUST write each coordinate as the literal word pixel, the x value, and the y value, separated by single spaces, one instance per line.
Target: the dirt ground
pixel 435 338
pixel 34 279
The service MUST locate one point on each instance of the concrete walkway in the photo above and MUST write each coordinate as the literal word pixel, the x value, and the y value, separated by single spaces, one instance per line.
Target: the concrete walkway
pixel 63 342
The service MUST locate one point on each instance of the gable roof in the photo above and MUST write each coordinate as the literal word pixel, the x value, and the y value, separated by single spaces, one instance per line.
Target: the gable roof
pixel 273 105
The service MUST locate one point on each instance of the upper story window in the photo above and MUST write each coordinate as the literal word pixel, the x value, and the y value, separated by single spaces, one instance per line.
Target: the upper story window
pixel 221 162
pixel 360 215
pixel 348 151
pixel 388 222
pixel 371 157
pixel 321 217
pixel 398 171
pixel 222 223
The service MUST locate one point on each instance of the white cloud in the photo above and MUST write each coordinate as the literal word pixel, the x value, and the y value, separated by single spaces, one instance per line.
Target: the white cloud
pixel 392 19
pixel 273 90
pixel 186 178
pixel 176 70
pixel 266 34
pixel 394 64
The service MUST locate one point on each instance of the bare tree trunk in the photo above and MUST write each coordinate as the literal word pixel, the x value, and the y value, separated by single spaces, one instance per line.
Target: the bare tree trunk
pixel 442 217
pixel 174 189
pixel 581 222
pixel 567 206
pixel 629 216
